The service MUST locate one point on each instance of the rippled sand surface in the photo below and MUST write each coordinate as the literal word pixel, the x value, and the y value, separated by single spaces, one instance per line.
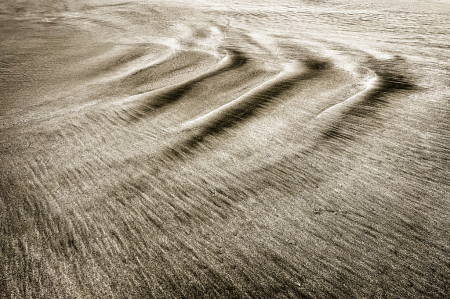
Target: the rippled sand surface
pixel 225 149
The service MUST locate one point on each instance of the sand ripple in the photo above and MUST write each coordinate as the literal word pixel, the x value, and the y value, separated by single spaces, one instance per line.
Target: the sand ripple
pixel 224 150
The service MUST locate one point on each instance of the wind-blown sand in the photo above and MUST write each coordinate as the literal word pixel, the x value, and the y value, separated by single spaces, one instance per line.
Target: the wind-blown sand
pixel 224 149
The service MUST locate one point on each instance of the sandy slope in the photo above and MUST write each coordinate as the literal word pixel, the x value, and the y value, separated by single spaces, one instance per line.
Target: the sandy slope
pixel 224 150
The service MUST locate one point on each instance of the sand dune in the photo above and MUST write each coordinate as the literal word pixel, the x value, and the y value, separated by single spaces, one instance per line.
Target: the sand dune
pixel 224 150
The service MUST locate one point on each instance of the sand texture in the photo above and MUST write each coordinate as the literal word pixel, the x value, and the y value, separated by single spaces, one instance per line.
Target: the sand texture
pixel 225 149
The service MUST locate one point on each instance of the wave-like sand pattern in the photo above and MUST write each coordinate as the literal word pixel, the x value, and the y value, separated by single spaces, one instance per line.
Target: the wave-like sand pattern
pixel 145 103
pixel 247 104
pixel 223 150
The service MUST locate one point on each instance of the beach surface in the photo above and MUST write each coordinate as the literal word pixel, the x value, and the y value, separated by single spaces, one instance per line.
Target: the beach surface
pixel 225 149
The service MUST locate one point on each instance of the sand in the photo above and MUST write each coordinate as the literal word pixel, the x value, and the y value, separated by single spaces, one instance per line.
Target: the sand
pixel 231 149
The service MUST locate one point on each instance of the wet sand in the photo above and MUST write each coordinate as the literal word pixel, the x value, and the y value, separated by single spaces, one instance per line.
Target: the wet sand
pixel 224 150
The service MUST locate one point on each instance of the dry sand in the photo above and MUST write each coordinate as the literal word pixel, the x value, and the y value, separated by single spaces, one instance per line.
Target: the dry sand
pixel 224 149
